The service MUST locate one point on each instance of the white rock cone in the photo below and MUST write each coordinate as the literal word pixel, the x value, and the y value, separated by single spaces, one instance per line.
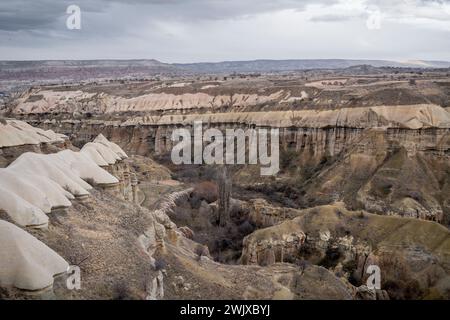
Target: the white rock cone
pixel 17 133
pixel 56 195
pixel 85 167
pixel 92 153
pixel 25 262
pixel 106 153
pixel 22 187
pixel 21 211
pixel 111 145
pixel 54 169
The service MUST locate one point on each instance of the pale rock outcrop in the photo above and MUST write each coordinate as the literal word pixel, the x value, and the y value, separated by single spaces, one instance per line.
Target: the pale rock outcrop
pixel 31 186
pixel 155 287
pixel 94 155
pixel 33 190
pixel 111 145
pixel 108 156
pixel 54 169
pixel 277 247
pixel 85 167
pixel 400 116
pixel 74 101
pixel 25 262
pixel 54 194
pixel 262 214
pixel 21 211
pixel 18 133
pixel 28 191
pixel 35 184
pixel 153 238
pixel 28 194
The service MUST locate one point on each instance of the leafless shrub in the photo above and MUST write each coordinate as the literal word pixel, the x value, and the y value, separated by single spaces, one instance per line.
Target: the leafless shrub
pixel 207 190
pixel 397 278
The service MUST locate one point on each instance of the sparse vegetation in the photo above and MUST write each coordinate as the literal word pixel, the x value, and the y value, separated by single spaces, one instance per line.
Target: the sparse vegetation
pixel 206 190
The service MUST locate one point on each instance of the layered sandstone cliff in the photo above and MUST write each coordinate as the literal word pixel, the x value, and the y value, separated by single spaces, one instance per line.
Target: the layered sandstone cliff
pixel 383 148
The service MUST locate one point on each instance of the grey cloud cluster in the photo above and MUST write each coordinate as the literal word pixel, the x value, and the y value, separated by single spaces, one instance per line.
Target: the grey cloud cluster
pixel 211 30
pixel 16 15
pixel 19 15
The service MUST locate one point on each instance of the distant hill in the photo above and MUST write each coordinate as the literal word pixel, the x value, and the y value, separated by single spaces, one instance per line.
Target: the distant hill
pixel 304 64
pixel 86 70
pixel 79 70
pixel 82 63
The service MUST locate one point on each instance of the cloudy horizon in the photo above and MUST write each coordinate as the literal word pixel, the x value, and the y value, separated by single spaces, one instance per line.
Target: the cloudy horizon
pixel 184 31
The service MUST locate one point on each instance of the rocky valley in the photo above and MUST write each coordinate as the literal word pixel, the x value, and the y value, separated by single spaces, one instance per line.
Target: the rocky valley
pixel 87 181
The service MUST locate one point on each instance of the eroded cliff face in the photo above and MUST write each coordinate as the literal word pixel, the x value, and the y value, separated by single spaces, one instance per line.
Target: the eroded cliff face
pixel 142 119
pixel 385 170
pixel 49 101
pixel 148 137
pixel 128 251
pixel 348 242
pixel 389 158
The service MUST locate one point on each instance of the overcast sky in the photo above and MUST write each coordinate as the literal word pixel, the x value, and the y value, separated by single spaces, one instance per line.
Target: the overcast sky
pixel 218 30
